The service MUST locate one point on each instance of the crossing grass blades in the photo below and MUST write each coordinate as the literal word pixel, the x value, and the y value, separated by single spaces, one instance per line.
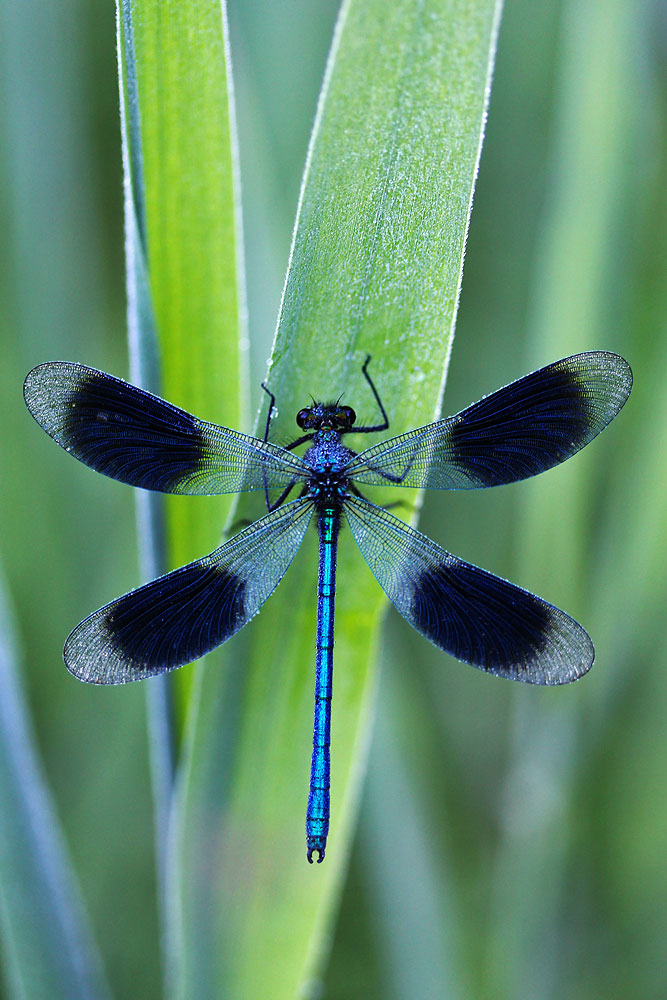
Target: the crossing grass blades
pixel 133 436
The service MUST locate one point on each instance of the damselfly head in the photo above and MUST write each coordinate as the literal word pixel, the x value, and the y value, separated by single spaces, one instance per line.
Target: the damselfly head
pixel 326 416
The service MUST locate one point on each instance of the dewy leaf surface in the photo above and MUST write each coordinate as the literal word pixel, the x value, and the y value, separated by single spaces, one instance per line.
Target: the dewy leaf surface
pixel 375 269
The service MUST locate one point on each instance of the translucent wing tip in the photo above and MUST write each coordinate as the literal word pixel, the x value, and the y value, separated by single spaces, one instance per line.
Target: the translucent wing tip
pixel 35 388
pixel 605 380
pixel 48 391
pixel 47 373
pixel 565 654
pixel 607 362
pixel 93 655
pixel 34 379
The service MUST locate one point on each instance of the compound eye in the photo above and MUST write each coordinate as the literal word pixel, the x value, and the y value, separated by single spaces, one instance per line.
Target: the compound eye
pixel 348 415
pixel 302 418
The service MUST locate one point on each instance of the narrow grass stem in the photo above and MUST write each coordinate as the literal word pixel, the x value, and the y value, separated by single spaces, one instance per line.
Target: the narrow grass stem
pixel 144 371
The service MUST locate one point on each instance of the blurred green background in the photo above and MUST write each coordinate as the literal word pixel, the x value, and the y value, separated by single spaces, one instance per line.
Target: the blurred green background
pixel 512 841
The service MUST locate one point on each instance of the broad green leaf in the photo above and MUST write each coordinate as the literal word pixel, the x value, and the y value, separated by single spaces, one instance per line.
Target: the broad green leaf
pixel 375 269
pixel 47 943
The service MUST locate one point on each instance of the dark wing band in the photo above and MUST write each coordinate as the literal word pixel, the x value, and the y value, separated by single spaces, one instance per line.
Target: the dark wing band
pixel 473 615
pixel 138 438
pixel 185 614
pixel 523 429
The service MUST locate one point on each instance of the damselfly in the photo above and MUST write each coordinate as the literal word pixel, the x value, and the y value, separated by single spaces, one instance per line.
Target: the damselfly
pixel 133 436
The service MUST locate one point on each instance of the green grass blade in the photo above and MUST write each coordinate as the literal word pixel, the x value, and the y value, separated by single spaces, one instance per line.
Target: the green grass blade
pixel 145 371
pixel 187 218
pixel 184 310
pixel 375 268
pixel 48 948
